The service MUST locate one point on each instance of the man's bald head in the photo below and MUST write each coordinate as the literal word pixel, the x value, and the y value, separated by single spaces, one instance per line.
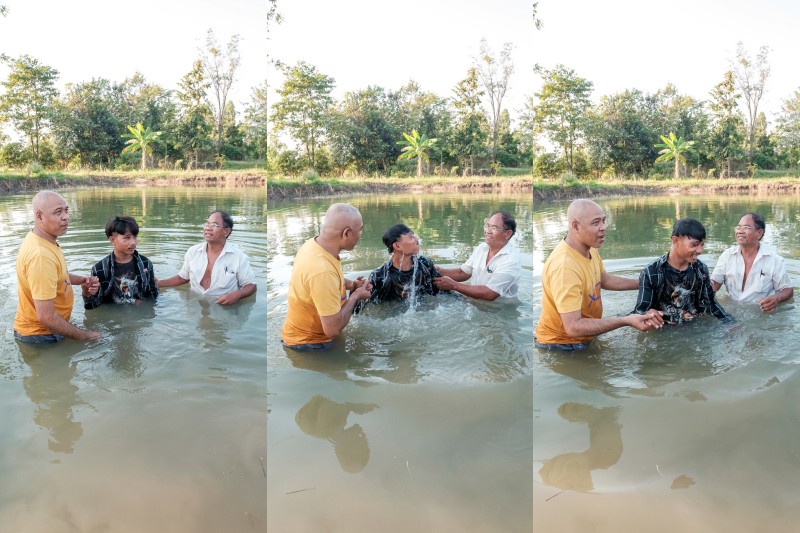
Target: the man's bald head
pixel 340 216
pixel 44 199
pixel 581 210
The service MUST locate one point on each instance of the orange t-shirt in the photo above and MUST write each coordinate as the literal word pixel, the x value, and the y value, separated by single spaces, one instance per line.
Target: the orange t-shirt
pixel 41 275
pixel 316 289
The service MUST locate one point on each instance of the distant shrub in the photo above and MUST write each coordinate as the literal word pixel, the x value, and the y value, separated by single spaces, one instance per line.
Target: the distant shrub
pixel 310 176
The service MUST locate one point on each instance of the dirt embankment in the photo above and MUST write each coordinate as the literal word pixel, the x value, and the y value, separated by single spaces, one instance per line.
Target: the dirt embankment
pixel 572 191
pixel 325 189
pixel 12 185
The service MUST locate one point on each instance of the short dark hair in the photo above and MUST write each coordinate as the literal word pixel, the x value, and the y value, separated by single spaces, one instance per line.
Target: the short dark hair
pixel 227 221
pixel 121 225
pixel 508 221
pixel 392 234
pixel 758 222
pixel 689 227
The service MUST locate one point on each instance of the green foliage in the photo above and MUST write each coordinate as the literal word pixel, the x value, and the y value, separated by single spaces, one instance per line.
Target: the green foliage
pixel 674 148
pixel 416 146
pixel 546 165
pixel 562 110
pixel 304 108
pixel 27 102
pixel 141 139
pixel 14 155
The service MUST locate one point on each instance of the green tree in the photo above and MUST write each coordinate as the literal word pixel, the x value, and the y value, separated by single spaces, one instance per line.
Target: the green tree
pixel 141 139
pixel 562 109
pixel 494 73
pixel 304 108
pixel 220 65
pixel 416 146
pixel 28 99
pixel 788 129
pixel 751 77
pixel 85 127
pixel 364 129
pixel 470 132
pixel 195 122
pixel 727 129
pixel 256 121
pixel 674 148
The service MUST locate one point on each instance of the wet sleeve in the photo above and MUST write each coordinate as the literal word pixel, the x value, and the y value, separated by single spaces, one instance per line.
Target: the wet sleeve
pixel 648 287
pixel 327 290
pixel 780 278
pixel 94 300
pixel 721 268
pixel 245 274
pixel 43 277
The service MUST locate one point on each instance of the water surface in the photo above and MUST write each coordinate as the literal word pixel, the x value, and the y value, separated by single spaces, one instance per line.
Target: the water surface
pixel 692 428
pixel 160 425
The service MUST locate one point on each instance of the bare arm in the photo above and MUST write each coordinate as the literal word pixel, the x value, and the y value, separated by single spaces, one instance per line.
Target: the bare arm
pixel 234 296
pixel 611 282
pixel 715 285
pixel 455 273
pixel 49 318
pixel 333 325
pixel 174 281
pixel 770 303
pixel 577 326
pixel 480 292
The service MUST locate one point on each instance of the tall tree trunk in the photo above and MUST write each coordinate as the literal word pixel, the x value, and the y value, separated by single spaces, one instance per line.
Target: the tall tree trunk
pixel 419 166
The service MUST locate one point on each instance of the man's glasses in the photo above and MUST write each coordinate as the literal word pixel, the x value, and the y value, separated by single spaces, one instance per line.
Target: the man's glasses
pixel 742 228
pixel 492 228
pixel 212 225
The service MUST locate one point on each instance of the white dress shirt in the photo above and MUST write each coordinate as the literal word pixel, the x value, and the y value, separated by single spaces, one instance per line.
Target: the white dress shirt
pixel 767 275
pixel 231 271
pixel 501 274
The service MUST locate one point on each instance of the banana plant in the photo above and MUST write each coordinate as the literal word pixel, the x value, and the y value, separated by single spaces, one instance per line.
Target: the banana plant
pixel 416 145
pixel 141 138
pixel 674 148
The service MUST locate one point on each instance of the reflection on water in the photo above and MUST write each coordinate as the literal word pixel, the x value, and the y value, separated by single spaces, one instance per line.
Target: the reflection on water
pixel 452 377
pixel 691 423
pixel 326 419
pixel 168 406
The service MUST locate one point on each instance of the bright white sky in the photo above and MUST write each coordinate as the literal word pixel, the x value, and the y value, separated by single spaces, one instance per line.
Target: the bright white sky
pixel 85 39
pixel 616 44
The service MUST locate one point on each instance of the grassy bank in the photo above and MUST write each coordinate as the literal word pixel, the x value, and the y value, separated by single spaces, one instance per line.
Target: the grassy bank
pixel 545 190
pixel 283 187
pixel 13 182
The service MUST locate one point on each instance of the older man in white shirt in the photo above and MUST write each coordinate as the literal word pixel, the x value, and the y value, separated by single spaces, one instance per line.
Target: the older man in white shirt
pixel 216 267
pixel 753 272
pixel 494 266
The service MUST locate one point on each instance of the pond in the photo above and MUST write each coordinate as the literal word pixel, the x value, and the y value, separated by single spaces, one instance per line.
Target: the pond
pixel 692 428
pixel 158 426
pixel 419 419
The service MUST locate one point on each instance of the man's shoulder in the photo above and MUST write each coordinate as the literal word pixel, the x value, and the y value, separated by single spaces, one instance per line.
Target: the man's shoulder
pixel 233 249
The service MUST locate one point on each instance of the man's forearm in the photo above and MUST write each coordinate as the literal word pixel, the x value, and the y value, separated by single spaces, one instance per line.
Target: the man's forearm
pixel 590 327
pixel 56 324
pixel 785 294
pixel 479 292
pixel 456 273
pixel 616 283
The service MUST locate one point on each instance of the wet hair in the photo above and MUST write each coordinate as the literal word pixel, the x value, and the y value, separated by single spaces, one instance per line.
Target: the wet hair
pixel 227 221
pixel 758 222
pixel 508 221
pixel 121 225
pixel 392 234
pixel 689 227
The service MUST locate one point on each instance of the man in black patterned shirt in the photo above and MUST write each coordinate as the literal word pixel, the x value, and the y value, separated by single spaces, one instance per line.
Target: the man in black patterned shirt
pixel 124 275
pixel 678 284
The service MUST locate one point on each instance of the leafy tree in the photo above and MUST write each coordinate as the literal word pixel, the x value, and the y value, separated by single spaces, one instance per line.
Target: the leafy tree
pixel 86 128
pixel 232 136
pixel 562 109
pixel 621 132
pixel 470 132
pixel 674 148
pixel 220 65
pixel 727 130
pixel 494 73
pixel 28 99
pixel 304 108
pixel 195 123
pixel 364 129
pixel 789 129
pixel 256 122
pixel 684 116
pixel 416 146
pixel 141 139
pixel 751 77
